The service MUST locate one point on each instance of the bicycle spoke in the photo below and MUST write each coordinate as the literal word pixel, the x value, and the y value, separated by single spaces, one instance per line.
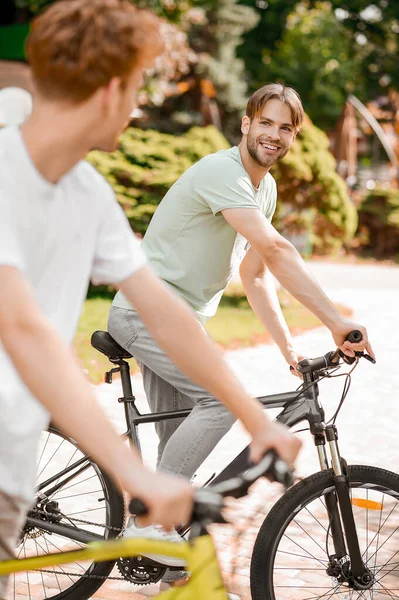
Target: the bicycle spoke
pixel 41 574
pixel 388 572
pixel 82 512
pixel 60 550
pixel 389 592
pixel 304 549
pixel 27 576
pixel 317 520
pixel 43 450
pixel 76 495
pixel 56 575
pixel 308 534
pixel 298 555
pixel 388 538
pixel 68 487
pixel 380 527
pixel 51 458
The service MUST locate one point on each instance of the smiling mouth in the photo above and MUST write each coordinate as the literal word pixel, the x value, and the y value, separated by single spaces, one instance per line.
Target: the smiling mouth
pixel 270 147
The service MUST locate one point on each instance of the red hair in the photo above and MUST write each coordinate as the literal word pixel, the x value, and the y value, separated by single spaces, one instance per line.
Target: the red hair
pixel 77 46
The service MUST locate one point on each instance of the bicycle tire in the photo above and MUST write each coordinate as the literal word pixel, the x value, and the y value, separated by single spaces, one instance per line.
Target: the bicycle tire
pixel 113 503
pixel 268 579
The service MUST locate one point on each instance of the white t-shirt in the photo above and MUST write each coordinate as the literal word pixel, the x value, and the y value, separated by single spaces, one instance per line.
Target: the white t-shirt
pixel 59 236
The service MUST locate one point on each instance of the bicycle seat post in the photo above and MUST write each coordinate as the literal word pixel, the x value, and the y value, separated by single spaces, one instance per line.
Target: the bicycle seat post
pixel 129 401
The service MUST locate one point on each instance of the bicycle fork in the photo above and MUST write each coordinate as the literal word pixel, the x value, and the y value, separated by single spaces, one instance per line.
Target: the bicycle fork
pixel 339 508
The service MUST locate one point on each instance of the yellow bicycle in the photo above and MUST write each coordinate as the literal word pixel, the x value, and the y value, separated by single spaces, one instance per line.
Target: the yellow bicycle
pixel 198 552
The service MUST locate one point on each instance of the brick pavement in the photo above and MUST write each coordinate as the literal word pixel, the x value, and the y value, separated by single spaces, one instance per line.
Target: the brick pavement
pixel 367 423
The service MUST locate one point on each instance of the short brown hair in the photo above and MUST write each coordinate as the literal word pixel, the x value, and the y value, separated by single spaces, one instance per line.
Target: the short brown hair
pixel 77 46
pixel 280 92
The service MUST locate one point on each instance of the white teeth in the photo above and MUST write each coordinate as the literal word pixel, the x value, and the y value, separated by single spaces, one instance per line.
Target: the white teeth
pixel 269 147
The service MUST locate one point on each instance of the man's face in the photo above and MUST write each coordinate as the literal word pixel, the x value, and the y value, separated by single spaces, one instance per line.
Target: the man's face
pixel 270 135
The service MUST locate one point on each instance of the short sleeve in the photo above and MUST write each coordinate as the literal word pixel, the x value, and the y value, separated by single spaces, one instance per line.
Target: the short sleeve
pixel 11 248
pixel 118 253
pixel 222 183
pixel 272 200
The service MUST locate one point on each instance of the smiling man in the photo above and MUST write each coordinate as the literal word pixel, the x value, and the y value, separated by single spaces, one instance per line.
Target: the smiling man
pixel 215 219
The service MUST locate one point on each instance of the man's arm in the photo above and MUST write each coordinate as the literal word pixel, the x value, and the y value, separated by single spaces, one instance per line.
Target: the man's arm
pixel 173 325
pixel 49 369
pixel 286 264
pixel 261 292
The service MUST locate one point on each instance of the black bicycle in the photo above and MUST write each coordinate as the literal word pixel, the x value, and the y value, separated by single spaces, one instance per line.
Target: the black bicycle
pixel 332 535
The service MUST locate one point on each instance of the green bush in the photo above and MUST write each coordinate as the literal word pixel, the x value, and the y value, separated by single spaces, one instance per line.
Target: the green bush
pixel 311 195
pixel 314 197
pixel 379 222
pixel 148 163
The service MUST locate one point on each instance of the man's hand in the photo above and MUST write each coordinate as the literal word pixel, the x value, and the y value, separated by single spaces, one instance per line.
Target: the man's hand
pixel 274 436
pixel 293 359
pixel 169 499
pixel 341 329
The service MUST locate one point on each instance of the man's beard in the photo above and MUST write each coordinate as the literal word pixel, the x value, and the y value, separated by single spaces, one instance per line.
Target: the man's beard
pixel 265 160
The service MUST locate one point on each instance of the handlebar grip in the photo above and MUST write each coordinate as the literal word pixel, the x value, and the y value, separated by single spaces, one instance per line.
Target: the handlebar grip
pixel 354 337
pixel 137 507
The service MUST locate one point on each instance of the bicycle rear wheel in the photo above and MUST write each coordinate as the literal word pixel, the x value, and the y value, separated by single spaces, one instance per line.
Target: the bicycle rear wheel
pixel 70 492
pixel 290 557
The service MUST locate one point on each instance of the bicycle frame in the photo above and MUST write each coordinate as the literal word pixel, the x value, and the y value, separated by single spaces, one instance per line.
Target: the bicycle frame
pixel 298 406
pixel 199 554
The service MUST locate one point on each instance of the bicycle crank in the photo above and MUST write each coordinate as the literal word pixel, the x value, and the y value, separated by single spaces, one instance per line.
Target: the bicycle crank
pixel 140 570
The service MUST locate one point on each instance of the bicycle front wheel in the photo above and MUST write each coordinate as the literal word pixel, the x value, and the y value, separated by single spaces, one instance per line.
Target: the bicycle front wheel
pixel 70 489
pixel 292 549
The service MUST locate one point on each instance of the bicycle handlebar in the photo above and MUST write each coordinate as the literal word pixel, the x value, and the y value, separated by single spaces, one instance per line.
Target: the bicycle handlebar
pixel 208 501
pixel 331 359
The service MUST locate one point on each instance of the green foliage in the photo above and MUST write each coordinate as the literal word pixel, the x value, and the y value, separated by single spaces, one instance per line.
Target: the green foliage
pixel 314 57
pixel 226 25
pixel 216 43
pixel 313 195
pixel 147 164
pixel 379 222
pixel 175 11
pixel 368 45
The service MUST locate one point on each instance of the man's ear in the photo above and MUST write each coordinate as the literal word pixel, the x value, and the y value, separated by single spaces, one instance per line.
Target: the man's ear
pixel 111 96
pixel 245 125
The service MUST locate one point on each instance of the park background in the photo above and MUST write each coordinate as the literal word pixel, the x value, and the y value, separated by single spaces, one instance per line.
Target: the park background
pixel 338 201
pixel 338 196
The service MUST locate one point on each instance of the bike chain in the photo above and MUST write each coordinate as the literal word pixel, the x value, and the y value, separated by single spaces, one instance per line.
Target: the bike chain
pixel 80 576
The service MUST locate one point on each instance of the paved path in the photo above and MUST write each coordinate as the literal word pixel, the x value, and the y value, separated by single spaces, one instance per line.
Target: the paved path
pixel 367 423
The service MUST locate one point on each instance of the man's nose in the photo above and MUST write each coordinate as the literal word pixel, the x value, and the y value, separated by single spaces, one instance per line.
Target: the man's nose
pixel 274 133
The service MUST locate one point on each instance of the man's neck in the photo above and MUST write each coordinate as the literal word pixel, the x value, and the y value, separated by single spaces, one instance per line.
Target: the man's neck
pixel 254 170
pixel 54 143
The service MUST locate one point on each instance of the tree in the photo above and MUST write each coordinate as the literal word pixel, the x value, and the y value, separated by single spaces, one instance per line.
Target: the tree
pixel 216 44
pixel 312 196
pixel 371 31
pixel 314 57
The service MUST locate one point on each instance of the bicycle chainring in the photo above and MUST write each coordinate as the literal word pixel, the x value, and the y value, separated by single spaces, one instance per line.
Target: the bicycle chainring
pixel 134 570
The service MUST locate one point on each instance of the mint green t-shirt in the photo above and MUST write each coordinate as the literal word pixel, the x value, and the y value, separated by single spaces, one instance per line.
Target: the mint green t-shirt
pixel 189 243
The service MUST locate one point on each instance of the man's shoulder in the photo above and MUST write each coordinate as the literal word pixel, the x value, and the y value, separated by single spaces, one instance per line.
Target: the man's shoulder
pixel 222 157
pixel 86 175
pixel 8 135
pixel 92 187
pixel 221 166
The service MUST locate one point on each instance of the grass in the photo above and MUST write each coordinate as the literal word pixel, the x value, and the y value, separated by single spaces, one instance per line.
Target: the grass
pixel 234 325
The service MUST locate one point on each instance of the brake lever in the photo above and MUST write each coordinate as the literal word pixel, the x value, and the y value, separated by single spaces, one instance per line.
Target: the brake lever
pixel 358 354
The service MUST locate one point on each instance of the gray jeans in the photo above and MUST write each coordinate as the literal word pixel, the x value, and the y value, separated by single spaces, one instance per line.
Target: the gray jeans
pixel 183 444
pixel 12 515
